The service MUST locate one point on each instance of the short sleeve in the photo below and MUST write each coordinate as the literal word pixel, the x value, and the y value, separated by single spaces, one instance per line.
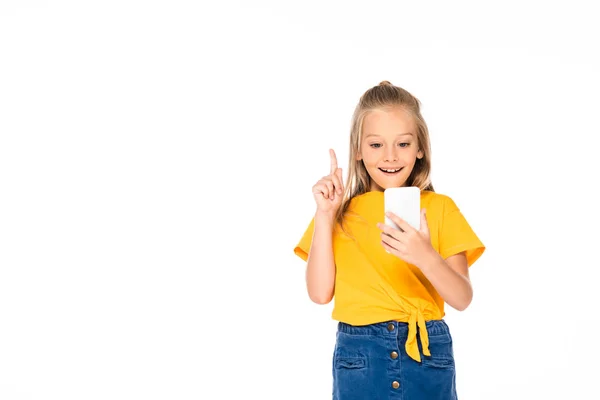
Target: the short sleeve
pixel 303 247
pixel 456 235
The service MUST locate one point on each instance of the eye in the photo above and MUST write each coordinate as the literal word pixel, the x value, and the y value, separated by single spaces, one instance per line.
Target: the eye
pixel 375 145
pixel 404 144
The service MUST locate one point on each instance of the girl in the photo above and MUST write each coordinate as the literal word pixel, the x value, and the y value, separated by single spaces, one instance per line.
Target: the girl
pixel 390 285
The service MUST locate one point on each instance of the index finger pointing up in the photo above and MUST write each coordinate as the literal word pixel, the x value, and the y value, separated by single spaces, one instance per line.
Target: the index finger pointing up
pixel 333 161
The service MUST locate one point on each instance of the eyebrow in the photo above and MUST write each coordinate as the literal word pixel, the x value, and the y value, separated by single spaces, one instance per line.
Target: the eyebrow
pixel 400 134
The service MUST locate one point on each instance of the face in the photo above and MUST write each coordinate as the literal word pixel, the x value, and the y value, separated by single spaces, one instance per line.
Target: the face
pixel 389 147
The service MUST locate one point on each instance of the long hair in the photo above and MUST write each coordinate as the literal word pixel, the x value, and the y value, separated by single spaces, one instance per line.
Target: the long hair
pixel 384 96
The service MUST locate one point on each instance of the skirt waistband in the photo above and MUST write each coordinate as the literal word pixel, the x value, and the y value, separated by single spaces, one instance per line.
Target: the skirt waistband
pixel 393 328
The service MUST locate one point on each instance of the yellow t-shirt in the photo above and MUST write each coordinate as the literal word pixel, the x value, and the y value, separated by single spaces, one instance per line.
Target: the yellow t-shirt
pixel 374 286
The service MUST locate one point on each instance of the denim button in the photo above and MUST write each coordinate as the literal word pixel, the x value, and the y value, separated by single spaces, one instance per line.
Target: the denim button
pixel 395 385
pixel 390 327
pixel 394 355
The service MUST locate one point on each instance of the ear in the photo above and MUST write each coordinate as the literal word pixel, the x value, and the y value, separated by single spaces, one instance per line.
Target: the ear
pixel 358 156
pixel 420 154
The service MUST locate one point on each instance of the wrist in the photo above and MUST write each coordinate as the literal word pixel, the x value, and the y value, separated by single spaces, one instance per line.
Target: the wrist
pixel 430 260
pixel 323 217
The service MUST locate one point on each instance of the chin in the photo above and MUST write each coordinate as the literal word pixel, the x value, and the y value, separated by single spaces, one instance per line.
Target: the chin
pixel 386 185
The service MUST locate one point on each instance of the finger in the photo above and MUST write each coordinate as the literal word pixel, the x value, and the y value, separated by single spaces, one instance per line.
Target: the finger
pixel 390 231
pixel 330 189
pixel 339 174
pixel 391 249
pixel 392 242
pixel 402 224
pixel 337 182
pixel 389 240
pixel 322 189
pixel 388 249
pixel 323 186
pixel 333 159
pixel 327 183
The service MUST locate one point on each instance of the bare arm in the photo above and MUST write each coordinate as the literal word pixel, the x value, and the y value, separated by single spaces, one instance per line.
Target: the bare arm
pixel 450 278
pixel 320 267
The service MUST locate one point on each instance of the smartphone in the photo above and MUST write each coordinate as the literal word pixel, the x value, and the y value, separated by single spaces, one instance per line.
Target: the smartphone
pixel 405 202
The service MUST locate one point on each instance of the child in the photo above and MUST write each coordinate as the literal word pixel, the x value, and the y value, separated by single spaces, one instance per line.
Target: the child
pixel 390 285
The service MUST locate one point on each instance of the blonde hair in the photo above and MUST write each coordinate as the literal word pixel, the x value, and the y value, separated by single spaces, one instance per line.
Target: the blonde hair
pixel 384 96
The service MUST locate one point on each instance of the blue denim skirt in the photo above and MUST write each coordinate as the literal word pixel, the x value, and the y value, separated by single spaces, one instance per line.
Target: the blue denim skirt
pixel 370 363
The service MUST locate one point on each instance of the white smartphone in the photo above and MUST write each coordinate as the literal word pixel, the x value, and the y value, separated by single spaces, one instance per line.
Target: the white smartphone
pixel 405 202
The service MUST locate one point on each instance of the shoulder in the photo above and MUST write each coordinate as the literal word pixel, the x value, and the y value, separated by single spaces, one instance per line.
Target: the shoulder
pixel 437 202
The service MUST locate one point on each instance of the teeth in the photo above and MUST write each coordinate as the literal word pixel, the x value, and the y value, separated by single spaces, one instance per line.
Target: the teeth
pixel 390 170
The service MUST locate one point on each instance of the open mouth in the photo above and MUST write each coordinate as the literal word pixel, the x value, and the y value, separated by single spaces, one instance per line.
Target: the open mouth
pixel 388 171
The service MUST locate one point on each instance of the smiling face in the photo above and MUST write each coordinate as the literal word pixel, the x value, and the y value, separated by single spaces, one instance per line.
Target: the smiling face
pixel 389 147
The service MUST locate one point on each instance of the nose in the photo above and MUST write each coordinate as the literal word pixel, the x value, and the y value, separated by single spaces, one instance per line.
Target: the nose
pixel 390 154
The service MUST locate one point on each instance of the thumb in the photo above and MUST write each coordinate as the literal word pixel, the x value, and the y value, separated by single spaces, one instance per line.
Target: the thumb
pixel 424 226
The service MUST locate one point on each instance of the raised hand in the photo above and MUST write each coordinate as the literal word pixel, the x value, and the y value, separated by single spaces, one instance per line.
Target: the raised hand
pixel 329 190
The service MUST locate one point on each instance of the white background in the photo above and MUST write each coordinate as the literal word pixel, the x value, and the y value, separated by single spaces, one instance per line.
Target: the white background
pixel 156 160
